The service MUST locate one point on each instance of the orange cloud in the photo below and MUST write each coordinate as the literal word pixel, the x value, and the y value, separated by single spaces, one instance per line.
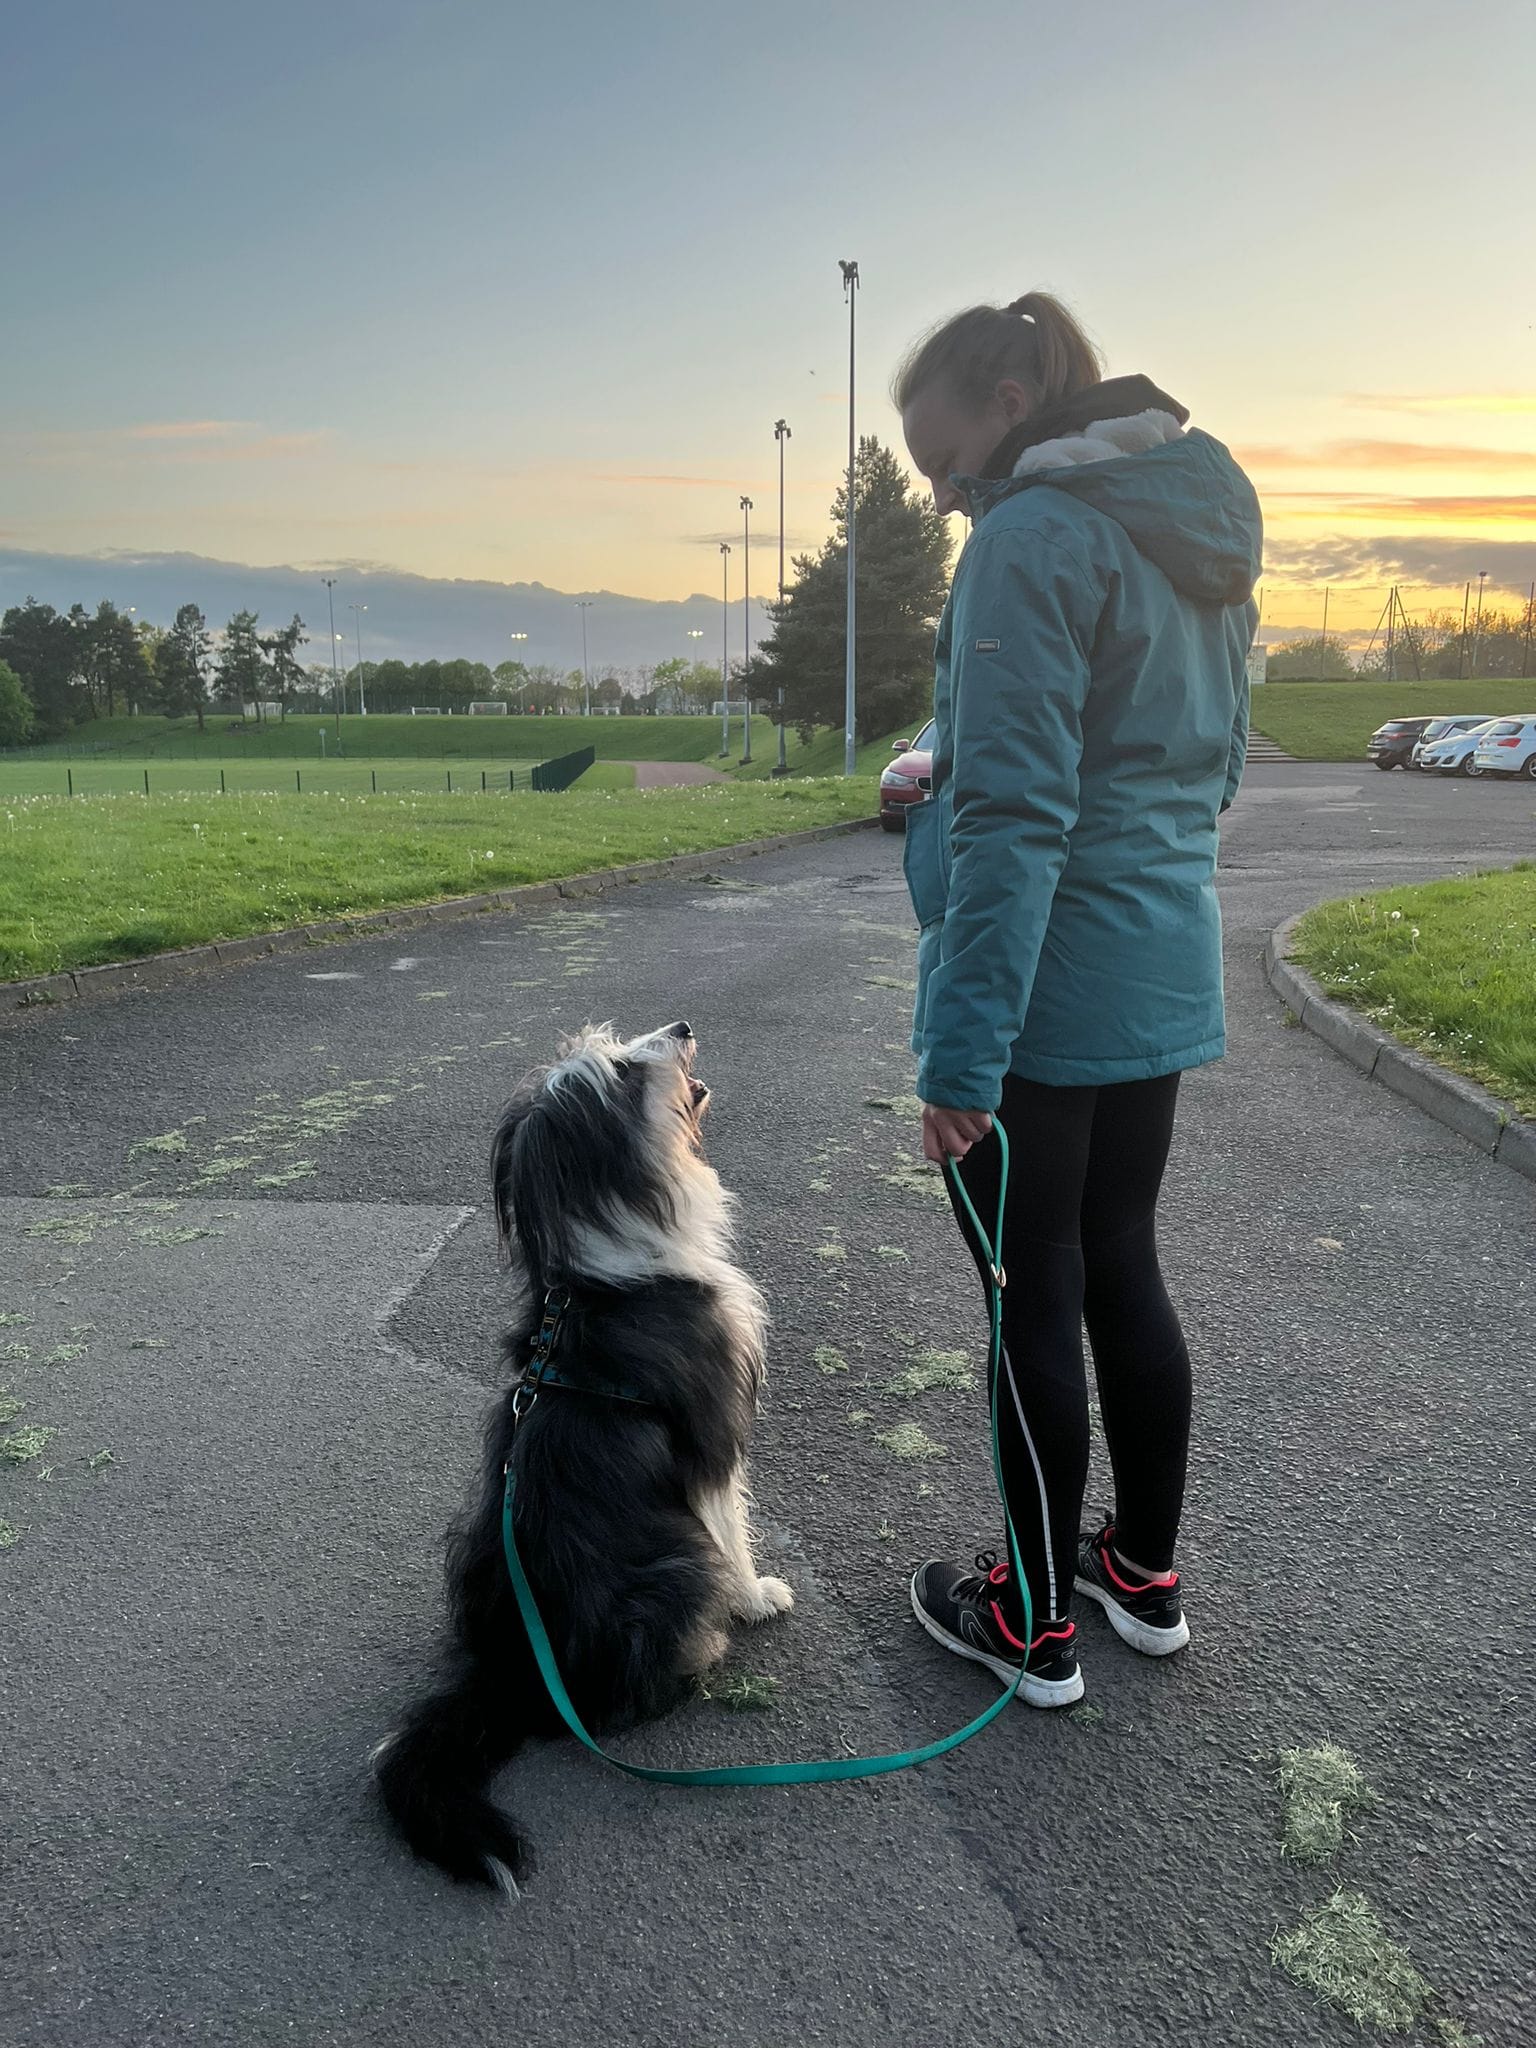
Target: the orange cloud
pixel 189 430
pixel 1389 455
pixel 1491 511
pixel 1443 401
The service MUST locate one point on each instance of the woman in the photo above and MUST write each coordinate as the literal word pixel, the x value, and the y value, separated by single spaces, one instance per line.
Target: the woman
pixel 1091 711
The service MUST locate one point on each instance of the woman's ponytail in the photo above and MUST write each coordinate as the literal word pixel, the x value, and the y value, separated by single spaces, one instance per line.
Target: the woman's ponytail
pixel 1034 341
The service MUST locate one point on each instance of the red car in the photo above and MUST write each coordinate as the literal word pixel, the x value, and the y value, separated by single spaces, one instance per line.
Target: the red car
pixel 908 780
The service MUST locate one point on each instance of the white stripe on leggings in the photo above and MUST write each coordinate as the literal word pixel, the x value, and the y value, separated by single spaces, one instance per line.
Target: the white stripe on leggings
pixel 1045 1512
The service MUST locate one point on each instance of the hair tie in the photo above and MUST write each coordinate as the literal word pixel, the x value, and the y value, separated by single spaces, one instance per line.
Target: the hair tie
pixel 1018 312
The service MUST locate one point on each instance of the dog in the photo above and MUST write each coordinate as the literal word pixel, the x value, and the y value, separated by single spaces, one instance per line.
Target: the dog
pixel 630 1505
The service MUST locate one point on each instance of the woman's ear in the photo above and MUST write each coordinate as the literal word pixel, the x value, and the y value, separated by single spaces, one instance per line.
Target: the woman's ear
pixel 1014 400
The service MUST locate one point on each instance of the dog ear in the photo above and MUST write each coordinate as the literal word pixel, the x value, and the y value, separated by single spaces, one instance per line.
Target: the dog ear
pixel 504 1150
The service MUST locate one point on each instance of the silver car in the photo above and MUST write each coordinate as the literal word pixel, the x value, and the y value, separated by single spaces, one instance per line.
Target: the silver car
pixel 1441 729
pixel 1454 753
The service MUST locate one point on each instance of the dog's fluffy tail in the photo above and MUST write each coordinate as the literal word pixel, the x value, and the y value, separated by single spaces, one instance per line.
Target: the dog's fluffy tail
pixel 433 1771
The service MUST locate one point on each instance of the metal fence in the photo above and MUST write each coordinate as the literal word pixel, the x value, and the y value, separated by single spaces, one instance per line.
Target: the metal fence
pixel 564 769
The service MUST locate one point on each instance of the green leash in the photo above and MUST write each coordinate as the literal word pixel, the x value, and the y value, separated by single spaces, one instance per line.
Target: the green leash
pixel 828 1770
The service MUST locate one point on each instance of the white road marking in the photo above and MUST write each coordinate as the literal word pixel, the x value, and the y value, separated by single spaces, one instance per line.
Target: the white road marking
pixel 333 977
pixel 404 964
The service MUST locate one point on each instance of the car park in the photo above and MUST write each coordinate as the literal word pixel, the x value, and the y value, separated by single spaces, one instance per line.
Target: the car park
pixel 1453 752
pixel 908 780
pixel 1508 747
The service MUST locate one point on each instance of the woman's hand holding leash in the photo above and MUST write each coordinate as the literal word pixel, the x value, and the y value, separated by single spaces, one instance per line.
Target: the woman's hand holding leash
pixel 950 1133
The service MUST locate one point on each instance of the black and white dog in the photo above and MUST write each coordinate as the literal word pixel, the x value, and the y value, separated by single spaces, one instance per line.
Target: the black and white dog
pixel 630 1505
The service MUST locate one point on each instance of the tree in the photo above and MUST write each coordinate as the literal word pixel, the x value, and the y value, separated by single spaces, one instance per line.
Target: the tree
pixel 16 714
pixel 512 681
pixel 285 672
pixel 41 647
pixel 109 657
pixel 242 665
pixel 1316 659
pixel 181 664
pixel 902 573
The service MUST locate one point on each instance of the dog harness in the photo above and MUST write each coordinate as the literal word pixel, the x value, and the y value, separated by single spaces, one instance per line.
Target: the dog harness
pixel 540 1372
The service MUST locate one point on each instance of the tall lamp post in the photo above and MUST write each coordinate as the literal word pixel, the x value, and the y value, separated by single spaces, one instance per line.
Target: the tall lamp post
pixel 746 628
pixel 850 292
pixel 1477 630
pixel 357 611
pixel 781 435
pixel 330 598
pixel 584 605
pixel 725 646
pixel 515 637
pixel 693 633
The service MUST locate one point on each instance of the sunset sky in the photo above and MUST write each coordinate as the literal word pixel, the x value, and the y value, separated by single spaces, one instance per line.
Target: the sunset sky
pixel 494 292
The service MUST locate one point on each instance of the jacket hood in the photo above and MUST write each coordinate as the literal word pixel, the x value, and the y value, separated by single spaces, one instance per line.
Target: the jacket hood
pixel 1121 448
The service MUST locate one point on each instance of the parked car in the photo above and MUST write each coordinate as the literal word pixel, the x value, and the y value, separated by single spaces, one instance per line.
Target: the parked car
pixel 1391 745
pixel 1454 752
pixel 1508 747
pixel 1445 728
pixel 908 780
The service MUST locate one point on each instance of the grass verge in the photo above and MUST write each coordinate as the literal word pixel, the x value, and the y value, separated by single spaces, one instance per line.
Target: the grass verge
pixel 1448 967
pixel 1333 721
pixel 111 879
pixel 822 754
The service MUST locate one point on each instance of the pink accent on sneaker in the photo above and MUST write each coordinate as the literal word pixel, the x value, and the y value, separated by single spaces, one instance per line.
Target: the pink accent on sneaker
pixel 1006 1632
pixel 1163 1579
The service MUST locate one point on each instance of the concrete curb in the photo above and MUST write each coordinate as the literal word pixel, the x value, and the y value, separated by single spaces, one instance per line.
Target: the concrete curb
pixel 1494 1127
pixel 158 969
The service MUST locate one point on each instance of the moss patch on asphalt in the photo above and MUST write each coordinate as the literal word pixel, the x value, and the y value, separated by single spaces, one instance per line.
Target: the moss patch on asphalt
pixel 930 1369
pixel 1342 1953
pixel 1319 1789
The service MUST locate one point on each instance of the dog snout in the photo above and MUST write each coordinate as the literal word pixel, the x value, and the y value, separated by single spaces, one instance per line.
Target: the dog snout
pixel 680 1030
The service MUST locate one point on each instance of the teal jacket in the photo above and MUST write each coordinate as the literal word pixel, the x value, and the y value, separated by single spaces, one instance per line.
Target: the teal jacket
pixel 1091 711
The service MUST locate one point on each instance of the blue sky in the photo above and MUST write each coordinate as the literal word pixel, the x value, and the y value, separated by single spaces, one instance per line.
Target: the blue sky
pixel 478 291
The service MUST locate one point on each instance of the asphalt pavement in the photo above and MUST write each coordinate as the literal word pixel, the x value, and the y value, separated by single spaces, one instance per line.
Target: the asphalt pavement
pixel 247 1283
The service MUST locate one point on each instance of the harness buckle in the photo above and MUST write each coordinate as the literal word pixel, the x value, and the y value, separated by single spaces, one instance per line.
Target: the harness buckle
pixel 999 1278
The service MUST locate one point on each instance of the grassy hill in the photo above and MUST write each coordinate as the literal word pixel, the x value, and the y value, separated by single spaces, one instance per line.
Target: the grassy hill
pixel 823 755
pixel 385 736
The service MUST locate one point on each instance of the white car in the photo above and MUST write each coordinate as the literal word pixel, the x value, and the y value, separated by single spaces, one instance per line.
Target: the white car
pixel 1443 729
pixel 1508 747
pixel 1454 753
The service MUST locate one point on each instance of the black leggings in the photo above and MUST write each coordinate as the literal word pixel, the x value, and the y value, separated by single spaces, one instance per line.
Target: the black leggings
pixel 1080 1245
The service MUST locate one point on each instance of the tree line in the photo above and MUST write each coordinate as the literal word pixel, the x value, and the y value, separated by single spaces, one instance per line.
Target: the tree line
pixel 1437 647
pixel 60 670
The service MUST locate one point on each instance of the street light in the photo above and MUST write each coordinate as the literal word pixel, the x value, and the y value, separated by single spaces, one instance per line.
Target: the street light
pixel 781 434
pixel 689 633
pixel 850 293
pixel 1477 630
pixel 584 605
pixel 725 645
pixel 362 702
pixel 330 598
pixel 746 627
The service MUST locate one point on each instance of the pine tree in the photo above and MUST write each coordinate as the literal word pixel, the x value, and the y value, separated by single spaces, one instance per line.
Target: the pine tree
pixel 901 574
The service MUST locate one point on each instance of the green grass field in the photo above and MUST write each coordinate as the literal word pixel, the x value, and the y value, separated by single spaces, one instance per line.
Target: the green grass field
pixel 124 775
pixel 1333 721
pixel 112 879
pixel 383 737
pixel 1449 967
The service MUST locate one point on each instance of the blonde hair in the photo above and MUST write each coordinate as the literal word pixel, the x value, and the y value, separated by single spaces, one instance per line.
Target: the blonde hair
pixel 1035 341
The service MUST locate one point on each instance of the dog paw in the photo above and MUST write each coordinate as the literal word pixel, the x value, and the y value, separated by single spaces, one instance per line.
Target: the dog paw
pixel 766 1598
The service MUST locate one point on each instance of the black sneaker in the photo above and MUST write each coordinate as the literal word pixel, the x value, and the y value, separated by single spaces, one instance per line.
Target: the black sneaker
pixel 963 1611
pixel 1146 1613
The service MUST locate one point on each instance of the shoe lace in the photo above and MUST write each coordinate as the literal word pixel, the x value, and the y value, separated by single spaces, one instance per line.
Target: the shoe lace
pixel 989 1571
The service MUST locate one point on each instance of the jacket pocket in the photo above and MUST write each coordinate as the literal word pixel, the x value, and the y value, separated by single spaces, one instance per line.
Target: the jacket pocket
pixel 925 860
